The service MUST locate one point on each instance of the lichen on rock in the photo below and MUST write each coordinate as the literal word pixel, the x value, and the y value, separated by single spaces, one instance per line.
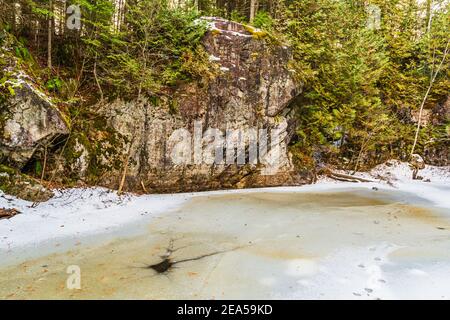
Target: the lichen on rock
pixel 29 120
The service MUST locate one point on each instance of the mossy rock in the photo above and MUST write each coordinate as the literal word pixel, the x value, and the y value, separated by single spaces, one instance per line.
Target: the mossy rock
pixel 256 33
pixel 216 32
pixel 92 151
pixel 14 183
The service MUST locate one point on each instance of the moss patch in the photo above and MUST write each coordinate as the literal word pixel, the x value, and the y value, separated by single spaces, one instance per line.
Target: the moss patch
pixel 256 33
pixel 14 183
pixel 93 150
pixel 216 32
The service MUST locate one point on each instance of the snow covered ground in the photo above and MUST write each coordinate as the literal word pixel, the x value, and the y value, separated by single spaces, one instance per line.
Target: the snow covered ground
pixel 77 213
pixel 435 185
pixel 363 241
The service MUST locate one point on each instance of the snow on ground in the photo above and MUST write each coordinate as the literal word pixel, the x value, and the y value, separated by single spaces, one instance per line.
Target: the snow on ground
pixel 400 172
pixel 434 186
pixel 77 212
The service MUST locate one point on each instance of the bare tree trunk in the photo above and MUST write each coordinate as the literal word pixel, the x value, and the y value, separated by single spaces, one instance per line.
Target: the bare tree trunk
pixel 62 21
pixel 96 79
pixel 432 80
pixel 429 16
pixel 253 9
pixel 44 167
pixel 14 18
pixel 50 34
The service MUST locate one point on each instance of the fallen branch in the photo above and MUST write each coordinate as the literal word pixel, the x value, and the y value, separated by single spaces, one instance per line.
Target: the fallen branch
pixel 143 187
pixel 168 263
pixel 44 167
pixel 345 177
pixel 124 174
pixel 8 213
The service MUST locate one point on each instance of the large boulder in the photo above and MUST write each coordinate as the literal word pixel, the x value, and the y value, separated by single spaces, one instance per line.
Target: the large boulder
pixel 29 120
pixel 164 141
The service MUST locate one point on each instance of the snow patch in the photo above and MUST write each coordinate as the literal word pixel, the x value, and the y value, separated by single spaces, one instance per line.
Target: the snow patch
pixel 213 58
pixel 394 174
pixel 77 212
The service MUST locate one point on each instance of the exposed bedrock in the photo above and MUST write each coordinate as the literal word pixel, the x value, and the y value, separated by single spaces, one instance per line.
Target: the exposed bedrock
pixel 230 131
pixel 170 144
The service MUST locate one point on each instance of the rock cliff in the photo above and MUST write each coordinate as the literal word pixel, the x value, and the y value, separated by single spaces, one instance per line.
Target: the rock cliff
pixel 251 93
pixel 231 131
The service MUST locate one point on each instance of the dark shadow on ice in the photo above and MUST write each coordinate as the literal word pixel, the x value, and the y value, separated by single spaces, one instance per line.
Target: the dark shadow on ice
pixel 167 263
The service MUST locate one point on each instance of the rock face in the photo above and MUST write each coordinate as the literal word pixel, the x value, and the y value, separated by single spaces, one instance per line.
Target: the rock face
pixel 227 131
pixel 191 141
pixel 28 121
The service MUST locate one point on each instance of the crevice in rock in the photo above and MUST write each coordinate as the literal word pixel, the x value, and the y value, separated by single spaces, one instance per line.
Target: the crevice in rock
pixel 38 156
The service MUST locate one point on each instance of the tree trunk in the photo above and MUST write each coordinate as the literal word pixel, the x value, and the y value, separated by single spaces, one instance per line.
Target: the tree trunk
pixel 432 80
pixel 13 22
pixel 254 4
pixel 429 16
pixel 50 34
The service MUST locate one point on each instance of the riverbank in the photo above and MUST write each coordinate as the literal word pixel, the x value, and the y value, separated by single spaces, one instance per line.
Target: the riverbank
pixel 83 212
pixel 328 240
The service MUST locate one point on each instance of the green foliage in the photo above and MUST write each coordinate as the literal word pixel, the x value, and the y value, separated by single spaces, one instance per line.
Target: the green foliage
pixel 238 16
pixel 412 57
pixel 360 84
pixel 6 81
pixel 69 89
pixel 357 79
pixel 39 8
pixel 38 168
pixel 154 49
pixel 23 53
pixel 263 20
pixel 54 84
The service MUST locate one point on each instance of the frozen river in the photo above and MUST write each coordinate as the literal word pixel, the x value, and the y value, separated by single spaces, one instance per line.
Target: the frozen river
pixel 355 243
